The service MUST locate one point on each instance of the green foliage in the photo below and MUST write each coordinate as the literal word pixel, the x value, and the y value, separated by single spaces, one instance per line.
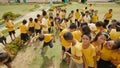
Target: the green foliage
pixel 14 47
pixel 11 15
pixel 1 22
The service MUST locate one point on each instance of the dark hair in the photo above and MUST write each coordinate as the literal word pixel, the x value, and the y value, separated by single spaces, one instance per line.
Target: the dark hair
pixel 3 56
pixel 36 20
pixel 24 21
pixel 86 29
pixel 51 17
pixel 73 26
pixel 85 7
pixel 44 13
pixel 38 15
pixel 68 36
pixel 118 26
pixel 87 12
pixel 110 9
pixel 99 24
pixel 72 11
pixel 117 44
pixel 77 10
pixel 89 35
pixel 57 14
pixel 99 34
pixel 41 38
pixel 30 19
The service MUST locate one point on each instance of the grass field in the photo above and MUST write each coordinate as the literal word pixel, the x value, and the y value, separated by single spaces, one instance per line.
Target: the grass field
pixel 17 8
pixel 51 59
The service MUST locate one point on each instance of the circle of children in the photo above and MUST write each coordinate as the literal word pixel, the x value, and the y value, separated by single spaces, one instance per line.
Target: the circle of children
pixel 86 41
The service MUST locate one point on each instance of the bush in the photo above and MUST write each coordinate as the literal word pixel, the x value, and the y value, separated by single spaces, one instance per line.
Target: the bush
pixel 11 15
pixel 14 47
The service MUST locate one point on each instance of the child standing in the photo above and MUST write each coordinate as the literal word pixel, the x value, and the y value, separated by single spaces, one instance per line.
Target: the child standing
pixel 31 26
pixel 2 39
pixel 37 26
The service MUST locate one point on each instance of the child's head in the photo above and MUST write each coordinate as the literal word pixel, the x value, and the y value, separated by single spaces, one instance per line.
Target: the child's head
pixel 68 36
pixel 30 19
pixel 86 29
pixel 41 38
pixel 50 17
pixel 87 13
pixel 44 13
pixel 90 4
pixel 24 22
pixel 101 37
pixel 77 10
pixel 57 15
pixel 86 8
pixel 35 20
pixel 113 44
pixel 99 24
pixel 72 11
pixel 73 26
pixel 3 57
pixel 110 10
pixel 38 15
pixel 86 38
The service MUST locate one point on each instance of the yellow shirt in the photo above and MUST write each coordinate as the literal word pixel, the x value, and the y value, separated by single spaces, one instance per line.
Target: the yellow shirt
pixel 115 56
pixel 108 16
pixel 77 35
pixel 114 35
pixel 48 37
pixel 3 66
pixel 118 66
pixel 105 54
pixel 63 41
pixel 9 25
pixel 63 25
pixel 77 15
pixel 89 53
pixel 95 18
pixel 23 29
pixel 31 24
pixel 1 35
pixel 37 25
pixel 76 50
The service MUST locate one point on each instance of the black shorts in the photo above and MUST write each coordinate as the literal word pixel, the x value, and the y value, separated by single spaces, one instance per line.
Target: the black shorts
pixel 69 51
pixel 50 44
pixel 24 36
pixel 2 39
pixel 11 32
pixel 9 60
pixel 31 29
pixel 38 31
pixel 52 23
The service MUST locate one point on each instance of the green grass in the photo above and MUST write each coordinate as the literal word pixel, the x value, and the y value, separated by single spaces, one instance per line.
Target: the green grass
pixel 17 8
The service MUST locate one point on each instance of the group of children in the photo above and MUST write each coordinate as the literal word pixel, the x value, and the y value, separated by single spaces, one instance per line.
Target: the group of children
pixel 86 41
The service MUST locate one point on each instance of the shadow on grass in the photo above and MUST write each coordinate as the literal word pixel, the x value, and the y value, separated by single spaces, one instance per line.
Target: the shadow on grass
pixel 64 65
pixel 47 62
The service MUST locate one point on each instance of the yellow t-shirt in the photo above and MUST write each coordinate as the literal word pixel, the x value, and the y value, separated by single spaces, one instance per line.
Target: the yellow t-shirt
pixel 31 24
pixel 77 35
pixel 108 16
pixel 77 15
pixel 76 50
pixel 105 54
pixel 95 18
pixel 23 29
pixel 115 56
pixel 1 35
pixel 89 53
pixel 63 25
pixel 9 25
pixel 114 35
pixel 48 37
pixel 63 41
pixel 49 23
pixel 118 66
pixel 37 25
pixel 3 66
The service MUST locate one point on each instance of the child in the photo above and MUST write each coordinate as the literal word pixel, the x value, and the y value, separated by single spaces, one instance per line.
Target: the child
pixel 10 26
pixel 38 17
pixel 107 17
pixel 70 17
pixel 88 50
pixel 24 32
pixel 77 16
pixel 107 50
pixel 95 17
pixel 76 52
pixel 31 26
pixel 3 59
pixel 49 23
pixel 2 39
pixel 63 25
pixel 37 26
pixel 87 18
pixel 48 39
